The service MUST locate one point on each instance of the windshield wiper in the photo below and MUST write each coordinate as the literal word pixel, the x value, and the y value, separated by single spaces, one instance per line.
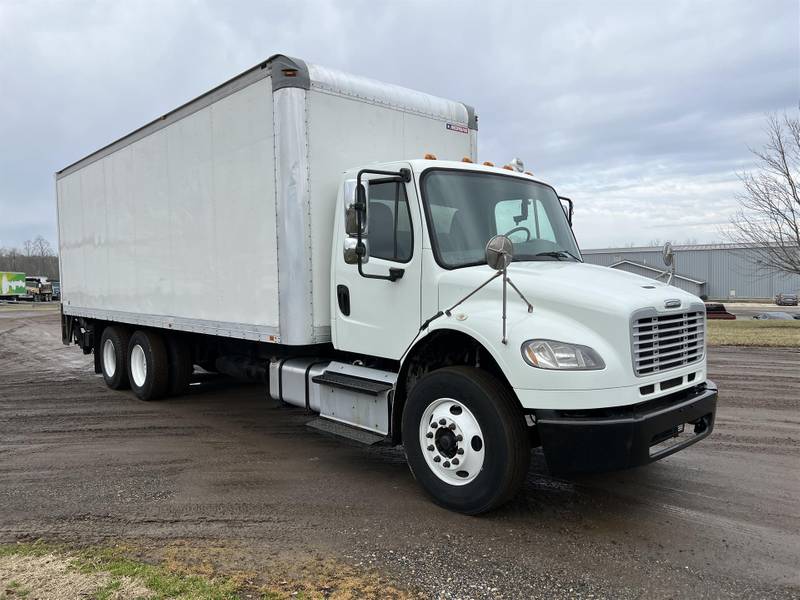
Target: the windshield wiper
pixel 558 254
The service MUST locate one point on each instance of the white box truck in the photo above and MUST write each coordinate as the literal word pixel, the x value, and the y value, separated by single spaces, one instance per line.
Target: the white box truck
pixel 336 236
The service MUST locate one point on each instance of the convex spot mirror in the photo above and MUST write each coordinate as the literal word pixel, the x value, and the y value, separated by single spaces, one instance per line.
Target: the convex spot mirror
pixel 499 252
pixel 351 250
pixel 668 254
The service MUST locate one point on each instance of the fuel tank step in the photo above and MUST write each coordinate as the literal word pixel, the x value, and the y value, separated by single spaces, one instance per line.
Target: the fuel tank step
pixel 352 382
pixel 345 431
pixel 350 394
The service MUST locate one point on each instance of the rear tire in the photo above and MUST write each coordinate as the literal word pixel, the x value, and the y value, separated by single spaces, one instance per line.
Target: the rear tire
pixel 483 430
pixel 148 369
pixel 114 357
pixel 179 358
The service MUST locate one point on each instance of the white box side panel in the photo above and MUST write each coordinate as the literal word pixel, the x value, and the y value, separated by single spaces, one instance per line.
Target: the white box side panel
pixel 70 240
pixel 345 133
pixel 180 223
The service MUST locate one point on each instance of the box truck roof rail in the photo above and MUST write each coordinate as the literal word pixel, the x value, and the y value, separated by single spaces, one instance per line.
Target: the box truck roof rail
pixel 293 72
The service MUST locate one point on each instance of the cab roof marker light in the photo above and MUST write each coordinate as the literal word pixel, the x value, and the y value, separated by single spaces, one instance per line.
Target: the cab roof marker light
pixel 429 156
pixel 486 163
pixel 528 173
pixel 508 168
pixel 466 159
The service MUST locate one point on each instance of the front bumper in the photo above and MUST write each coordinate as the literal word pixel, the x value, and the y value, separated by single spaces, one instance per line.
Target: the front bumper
pixel 615 438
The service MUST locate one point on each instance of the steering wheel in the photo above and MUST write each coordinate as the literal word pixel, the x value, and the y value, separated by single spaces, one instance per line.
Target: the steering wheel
pixel 520 228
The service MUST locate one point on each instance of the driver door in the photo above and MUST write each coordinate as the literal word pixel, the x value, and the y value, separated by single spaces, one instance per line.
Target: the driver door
pixel 376 316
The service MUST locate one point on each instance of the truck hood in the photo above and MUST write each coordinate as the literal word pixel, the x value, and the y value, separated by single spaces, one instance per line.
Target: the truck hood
pixel 574 303
pixel 560 285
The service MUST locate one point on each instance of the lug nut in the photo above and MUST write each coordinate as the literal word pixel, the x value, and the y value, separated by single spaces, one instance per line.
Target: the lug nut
pixel 434 425
pixel 452 425
pixel 455 461
pixel 430 448
pixel 436 458
pixel 460 451
pixel 459 438
pixel 429 434
pixel 446 464
pixel 442 422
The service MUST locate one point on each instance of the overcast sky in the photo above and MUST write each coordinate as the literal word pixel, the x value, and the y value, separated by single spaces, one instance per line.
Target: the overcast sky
pixel 641 111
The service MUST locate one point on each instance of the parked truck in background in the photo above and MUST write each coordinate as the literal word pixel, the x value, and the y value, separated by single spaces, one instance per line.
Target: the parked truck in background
pixel 12 285
pixel 337 235
pixel 38 289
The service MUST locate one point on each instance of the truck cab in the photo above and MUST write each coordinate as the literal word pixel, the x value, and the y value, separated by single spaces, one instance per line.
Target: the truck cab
pixel 604 369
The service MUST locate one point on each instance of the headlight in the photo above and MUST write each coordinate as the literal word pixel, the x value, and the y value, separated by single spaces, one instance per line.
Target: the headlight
pixel 549 354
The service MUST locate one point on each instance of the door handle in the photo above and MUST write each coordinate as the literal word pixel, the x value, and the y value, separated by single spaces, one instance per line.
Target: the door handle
pixel 343 297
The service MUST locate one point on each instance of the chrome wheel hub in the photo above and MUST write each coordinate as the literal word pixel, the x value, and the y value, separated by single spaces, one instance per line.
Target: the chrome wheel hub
pixel 138 365
pixel 109 358
pixel 452 441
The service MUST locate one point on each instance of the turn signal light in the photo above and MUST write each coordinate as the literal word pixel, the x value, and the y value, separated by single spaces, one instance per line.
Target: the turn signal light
pixel 430 156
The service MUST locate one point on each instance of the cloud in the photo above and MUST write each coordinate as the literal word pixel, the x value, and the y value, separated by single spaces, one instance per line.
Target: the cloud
pixel 642 112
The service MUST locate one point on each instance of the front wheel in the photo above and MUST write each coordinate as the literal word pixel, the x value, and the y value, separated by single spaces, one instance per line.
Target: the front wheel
pixel 465 439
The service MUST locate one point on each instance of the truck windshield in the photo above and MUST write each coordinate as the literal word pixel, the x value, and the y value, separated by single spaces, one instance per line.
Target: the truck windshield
pixel 466 209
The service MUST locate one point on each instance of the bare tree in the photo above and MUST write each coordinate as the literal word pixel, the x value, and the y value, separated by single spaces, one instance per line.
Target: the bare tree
pixel 41 247
pixel 769 218
pixel 36 258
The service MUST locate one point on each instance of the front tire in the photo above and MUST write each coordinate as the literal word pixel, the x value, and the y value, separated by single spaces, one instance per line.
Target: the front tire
pixel 148 369
pixel 465 439
pixel 114 357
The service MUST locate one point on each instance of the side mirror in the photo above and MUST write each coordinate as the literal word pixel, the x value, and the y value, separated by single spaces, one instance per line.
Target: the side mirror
pixel 668 254
pixel 499 252
pixel 355 201
pixel 568 208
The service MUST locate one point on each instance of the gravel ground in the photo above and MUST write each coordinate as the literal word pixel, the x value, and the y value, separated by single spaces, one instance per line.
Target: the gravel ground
pixel 225 469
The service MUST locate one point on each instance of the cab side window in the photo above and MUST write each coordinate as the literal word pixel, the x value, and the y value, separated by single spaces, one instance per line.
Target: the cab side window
pixel 389 222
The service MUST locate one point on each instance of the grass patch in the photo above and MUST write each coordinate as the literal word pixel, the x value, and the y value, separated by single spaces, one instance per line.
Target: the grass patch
pixel 47 570
pixel 163 583
pixel 753 332
pixel 40 570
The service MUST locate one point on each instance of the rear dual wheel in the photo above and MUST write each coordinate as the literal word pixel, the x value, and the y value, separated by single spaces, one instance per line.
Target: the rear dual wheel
pixel 114 357
pixel 148 370
pixel 152 366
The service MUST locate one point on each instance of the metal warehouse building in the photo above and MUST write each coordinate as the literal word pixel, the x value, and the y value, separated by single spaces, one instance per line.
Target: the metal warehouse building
pixel 718 271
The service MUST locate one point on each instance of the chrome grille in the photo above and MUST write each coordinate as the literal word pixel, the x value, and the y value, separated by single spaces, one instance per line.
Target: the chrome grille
pixel 664 342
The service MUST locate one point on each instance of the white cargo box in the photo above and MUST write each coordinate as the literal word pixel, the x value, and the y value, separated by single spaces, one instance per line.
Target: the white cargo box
pixel 217 217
